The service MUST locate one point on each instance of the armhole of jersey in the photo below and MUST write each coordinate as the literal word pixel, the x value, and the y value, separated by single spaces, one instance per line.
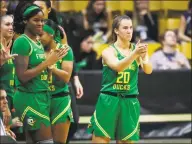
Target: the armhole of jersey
pixel 31 50
pixel 116 50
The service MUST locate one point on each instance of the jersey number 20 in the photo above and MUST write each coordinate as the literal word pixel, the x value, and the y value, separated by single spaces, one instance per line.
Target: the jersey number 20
pixel 123 77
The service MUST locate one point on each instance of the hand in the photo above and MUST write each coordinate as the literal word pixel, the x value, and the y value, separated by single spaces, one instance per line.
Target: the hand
pixel 78 87
pixel 16 122
pixel 6 117
pixel 141 49
pixel 5 52
pixel 56 55
pixel 10 133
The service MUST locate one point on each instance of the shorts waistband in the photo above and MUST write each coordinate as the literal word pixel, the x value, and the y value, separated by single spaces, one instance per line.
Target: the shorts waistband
pixel 117 94
pixel 60 94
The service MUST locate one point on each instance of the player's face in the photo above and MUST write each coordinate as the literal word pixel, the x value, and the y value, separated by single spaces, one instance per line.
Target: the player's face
pixel 43 7
pixel 87 44
pixel 3 7
pixel 7 27
pixel 170 38
pixel 46 38
pixel 98 6
pixel 125 30
pixel 35 24
pixel 3 100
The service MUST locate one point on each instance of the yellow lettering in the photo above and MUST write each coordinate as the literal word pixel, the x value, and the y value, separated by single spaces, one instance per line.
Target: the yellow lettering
pixel 11 82
pixel 123 77
pixel 43 77
pixel 52 88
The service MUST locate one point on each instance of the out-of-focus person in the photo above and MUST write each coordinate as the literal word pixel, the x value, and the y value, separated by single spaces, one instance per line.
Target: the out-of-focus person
pixel 97 18
pixel 3 108
pixel 145 22
pixel 86 57
pixel 3 7
pixel 169 57
pixel 185 31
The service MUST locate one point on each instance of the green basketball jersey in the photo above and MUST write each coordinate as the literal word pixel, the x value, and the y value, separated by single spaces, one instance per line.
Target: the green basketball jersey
pixel 124 82
pixel 56 84
pixel 24 46
pixel 7 73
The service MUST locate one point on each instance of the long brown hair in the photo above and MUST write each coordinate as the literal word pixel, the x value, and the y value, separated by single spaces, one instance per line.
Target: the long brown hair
pixel 116 22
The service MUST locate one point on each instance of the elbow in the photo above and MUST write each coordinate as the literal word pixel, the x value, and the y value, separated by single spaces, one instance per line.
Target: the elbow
pixel 23 80
pixel 119 69
pixel 148 69
pixel 66 80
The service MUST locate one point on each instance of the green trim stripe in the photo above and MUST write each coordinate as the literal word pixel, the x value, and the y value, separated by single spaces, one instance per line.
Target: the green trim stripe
pixel 35 112
pixel 133 132
pixel 62 113
pixel 99 126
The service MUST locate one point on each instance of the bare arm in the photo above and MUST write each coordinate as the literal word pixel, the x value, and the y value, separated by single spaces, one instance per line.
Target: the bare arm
pixel 65 72
pixel 146 64
pixel 182 27
pixel 24 74
pixel 112 61
pixel 21 65
pixel 85 21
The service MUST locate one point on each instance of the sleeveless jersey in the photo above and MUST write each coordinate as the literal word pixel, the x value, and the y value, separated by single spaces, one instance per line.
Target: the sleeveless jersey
pixel 124 82
pixel 56 84
pixel 25 46
pixel 7 73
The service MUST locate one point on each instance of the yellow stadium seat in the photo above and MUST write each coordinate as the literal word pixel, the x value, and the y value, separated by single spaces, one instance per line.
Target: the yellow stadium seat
pixel 152 47
pixel 186 49
pixel 126 6
pixel 181 5
pixel 113 5
pixel 154 5
pixel 65 6
pixel 161 26
pixel 172 23
pixel 79 5
pixel 98 48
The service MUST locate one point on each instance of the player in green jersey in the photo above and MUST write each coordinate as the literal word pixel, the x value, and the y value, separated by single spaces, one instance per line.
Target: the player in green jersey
pixel 76 92
pixel 61 113
pixel 32 97
pixel 117 110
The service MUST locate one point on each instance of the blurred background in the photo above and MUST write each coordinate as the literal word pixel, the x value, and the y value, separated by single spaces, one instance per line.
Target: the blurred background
pixel 165 95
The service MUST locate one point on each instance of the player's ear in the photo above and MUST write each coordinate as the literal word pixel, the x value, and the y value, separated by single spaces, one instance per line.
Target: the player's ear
pixel 116 31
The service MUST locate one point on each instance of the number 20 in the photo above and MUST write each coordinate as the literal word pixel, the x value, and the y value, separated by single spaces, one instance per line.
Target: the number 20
pixel 123 77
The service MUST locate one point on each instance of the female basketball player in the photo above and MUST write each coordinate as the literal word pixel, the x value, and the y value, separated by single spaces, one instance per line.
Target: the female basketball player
pixel 117 110
pixel 32 98
pixel 61 113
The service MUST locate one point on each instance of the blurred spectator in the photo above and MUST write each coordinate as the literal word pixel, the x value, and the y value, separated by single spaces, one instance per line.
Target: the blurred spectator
pixel 185 25
pixel 84 54
pixel 145 22
pixel 98 19
pixel 12 6
pixel 3 7
pixel 168 57
pixel 3 108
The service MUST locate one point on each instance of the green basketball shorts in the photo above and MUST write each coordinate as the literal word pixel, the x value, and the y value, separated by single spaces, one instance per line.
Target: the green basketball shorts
pixel 116 117
pixel 33 109
pixel 61 109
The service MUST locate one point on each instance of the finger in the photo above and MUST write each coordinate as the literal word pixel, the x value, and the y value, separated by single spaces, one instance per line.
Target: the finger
pixel 13 55
pixel 9 45
pixel 138 42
